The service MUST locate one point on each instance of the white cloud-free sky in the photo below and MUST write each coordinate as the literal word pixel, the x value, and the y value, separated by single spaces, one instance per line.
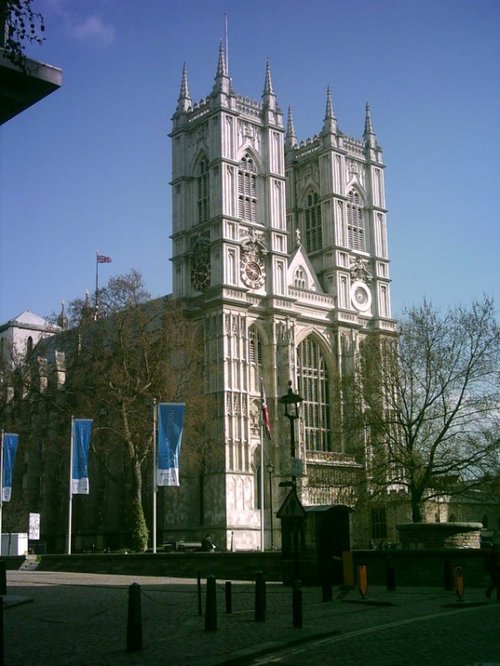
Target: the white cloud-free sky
pixel 88 168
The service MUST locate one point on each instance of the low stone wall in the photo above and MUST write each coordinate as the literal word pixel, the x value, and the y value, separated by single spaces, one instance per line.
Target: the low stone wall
pixel 435 536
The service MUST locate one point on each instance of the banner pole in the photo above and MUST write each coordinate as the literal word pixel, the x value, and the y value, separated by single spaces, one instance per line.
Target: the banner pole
pixel 96 307
pixel 70 503
pixel 1 490
pixel 262 514
pixel 155 487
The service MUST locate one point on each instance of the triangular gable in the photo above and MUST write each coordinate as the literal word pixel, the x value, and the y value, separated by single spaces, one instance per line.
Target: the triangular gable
pixel 299 259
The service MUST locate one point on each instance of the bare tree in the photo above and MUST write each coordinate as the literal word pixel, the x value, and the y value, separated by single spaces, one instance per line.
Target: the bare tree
pixel 431 402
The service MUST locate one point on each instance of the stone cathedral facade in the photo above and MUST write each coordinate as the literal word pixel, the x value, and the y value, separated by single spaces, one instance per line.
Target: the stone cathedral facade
pixel 280 255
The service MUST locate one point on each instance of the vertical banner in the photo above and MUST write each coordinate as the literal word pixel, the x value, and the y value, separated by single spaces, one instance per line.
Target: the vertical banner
pixel 82 431
pixel 10 441
pixel 170 427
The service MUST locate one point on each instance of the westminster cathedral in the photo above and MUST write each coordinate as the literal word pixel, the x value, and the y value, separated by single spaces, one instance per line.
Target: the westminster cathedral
pixel 280 254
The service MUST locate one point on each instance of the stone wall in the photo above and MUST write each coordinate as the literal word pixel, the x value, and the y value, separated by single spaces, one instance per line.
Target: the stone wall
pixel 436 536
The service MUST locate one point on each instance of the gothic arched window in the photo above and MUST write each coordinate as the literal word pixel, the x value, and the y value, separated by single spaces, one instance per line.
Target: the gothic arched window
pixel 203 191
pixel 255 357
pixel 247 189
pixel 300 279
pixel 314 231
pixel 356 231
pixel 314 389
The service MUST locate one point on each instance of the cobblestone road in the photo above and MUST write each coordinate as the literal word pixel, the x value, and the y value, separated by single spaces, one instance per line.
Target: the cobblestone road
pixel 80 619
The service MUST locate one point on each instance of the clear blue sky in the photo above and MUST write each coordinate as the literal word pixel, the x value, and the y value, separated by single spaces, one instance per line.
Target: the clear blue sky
pixel 89 167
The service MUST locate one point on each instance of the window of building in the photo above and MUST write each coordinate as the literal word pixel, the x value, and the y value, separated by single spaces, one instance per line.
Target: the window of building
pixel 314 232
pixel 356 233
pixel 379 524
pixel 314 389
pixel 255 355
pixel 203 192
pixel 299 279
pixel 247 189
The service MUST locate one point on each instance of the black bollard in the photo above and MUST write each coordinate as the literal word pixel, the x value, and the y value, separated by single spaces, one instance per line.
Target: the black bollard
pixel 200 605
pixel 448 578
pixel 296 605
pixel 134 620
pixel 260 597
pixel 391 575
pixel 3 578
pixel 326 589
pixel 1 634
pixel 211 605
pixel 229 599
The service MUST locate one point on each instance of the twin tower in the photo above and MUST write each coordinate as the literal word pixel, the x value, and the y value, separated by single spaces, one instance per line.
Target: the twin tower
pixel 280 256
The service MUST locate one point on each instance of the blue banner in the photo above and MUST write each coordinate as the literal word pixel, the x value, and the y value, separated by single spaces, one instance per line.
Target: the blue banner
pixel 170 427
pixel 10 441
pixel 82 431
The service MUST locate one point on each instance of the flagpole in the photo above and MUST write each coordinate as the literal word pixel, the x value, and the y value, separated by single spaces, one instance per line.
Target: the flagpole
pixel 262 513
pixel 70 505
pixel 1 490
pixel 96 284
pixel 155 487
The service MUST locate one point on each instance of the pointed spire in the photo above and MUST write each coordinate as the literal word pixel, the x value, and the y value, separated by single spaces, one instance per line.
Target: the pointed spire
pixel 330 122
pixel 184 101
pixel 268 84
pixel 62 319
pixel 222 83
pixel 268 96
pixel 369 135
pixel 291 137
pixel 368 123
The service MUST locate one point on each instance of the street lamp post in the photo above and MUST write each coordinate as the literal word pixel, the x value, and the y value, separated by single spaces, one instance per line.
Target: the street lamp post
pixel 270 470
pixel 292 401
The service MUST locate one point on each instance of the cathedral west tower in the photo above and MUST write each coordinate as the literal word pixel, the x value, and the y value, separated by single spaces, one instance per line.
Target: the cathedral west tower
pixel 280 256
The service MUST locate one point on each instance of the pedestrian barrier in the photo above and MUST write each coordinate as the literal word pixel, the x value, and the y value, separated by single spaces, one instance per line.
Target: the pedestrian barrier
pixel 211 605
pixel 459 581
pixel 3 577
pixel 229 597
pixel 260 597
pixel 296 605
pixel 134 619
pixel 198 589
pixel 391 575
pixel 362 580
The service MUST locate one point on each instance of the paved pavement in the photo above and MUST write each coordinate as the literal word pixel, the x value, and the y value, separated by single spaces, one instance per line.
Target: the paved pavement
pixel 81 619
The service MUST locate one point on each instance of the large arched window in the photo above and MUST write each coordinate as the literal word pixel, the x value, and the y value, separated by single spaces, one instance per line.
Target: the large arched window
pixel 203 191
pixel 314 232
pixel 356 231
pixel 314 389
pixel 247 189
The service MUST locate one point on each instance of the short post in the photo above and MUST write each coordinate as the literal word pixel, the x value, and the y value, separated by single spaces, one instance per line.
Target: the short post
pixel 296 605
pixel 391 576
pixel 200 608
pixel 134 620
pixel 3 577
pixel 229 599
pixel 211 605
pixel 326 582
pixel 260 597
pixel 1 634
pixel 459 582
pixel 448 582
pixel 362 580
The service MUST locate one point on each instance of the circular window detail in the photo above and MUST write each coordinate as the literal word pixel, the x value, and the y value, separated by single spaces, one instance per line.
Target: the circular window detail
pixel 360 296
